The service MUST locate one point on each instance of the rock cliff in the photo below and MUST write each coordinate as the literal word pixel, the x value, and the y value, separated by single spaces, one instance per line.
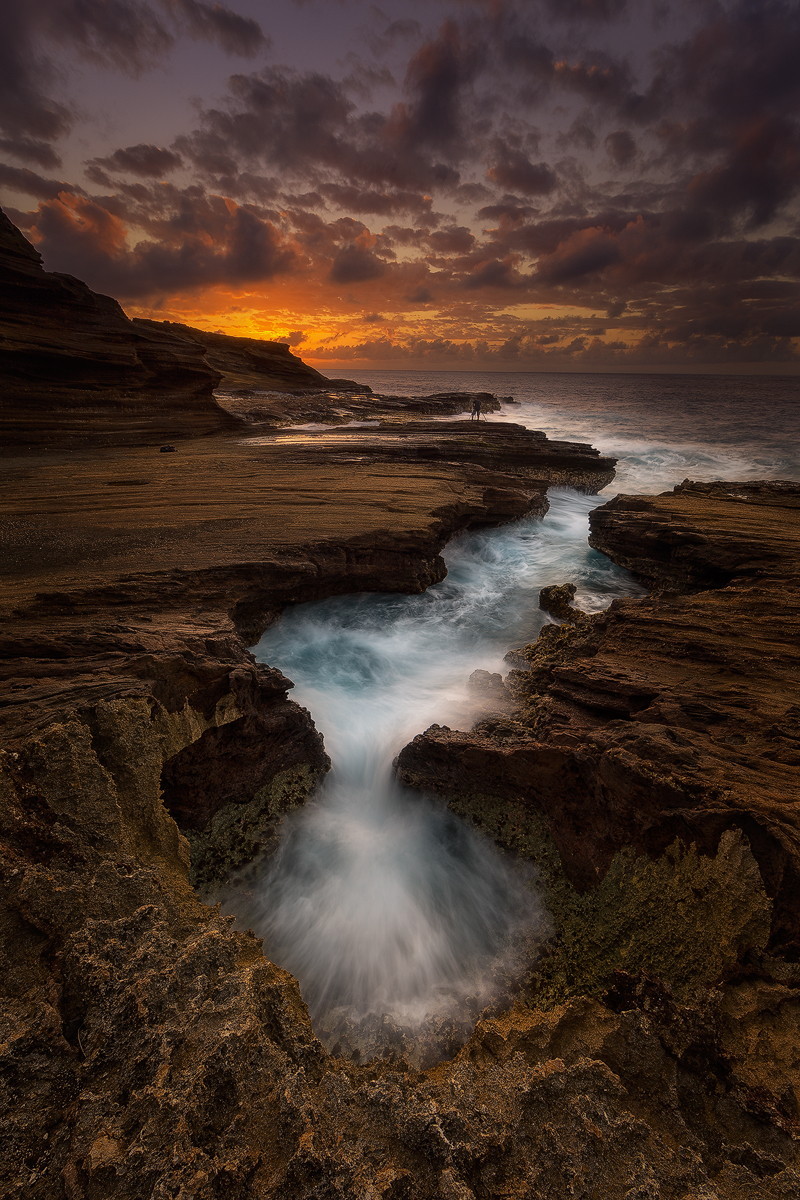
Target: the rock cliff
pixel 516 451
pixel 245 362
pixel 673 717
pixel 128 572
pixel 74 367
pixel 152 1050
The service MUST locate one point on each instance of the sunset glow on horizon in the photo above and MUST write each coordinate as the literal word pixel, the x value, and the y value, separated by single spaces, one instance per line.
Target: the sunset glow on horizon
pixel 487 184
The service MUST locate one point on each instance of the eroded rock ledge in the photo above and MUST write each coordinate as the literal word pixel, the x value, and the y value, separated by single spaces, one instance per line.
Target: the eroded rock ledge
pixel 75 369
pixel 651 754
pixel 673 716
pixel 152 1051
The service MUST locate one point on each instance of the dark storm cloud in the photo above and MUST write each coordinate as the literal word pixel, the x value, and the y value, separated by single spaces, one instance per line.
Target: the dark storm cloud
pixel 21 179
pixel 453 239
pixel 355 264
pixel 132 34
pixel 437 77
pixel 580 135
pixel 144 160
pixel 525 53
pixel 743 61
pixel 493 274
pixel 740 125
pixel 84 238
pixel 589 73
pixel 523 117
pixel 372 200
pixel 30 150
pixel 586 10
pixel 621 147
pixel 27 111
pixel 282 118
pixel 129 35
pixel 598 77
pixel 306 126
pixel 583 254
pixel 759 174
pixel 512 169
pixel 214 22
pixel 508 214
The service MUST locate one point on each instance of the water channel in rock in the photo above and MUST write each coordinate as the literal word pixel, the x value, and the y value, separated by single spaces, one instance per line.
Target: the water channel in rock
pixel 394 916
pixel 391 912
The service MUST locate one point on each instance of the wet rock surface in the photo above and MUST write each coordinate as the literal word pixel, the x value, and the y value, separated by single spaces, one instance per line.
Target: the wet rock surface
pixel 502 447
pixel 152 1050
pixel 649 767
pixel 338 402
pixel 673 716
pixel 557 601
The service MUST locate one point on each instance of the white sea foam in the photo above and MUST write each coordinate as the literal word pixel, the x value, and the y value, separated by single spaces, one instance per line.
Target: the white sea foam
pixel 384 905
pixel 378 900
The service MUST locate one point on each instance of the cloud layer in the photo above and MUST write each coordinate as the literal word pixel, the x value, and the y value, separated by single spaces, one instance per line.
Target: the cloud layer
pixel 568 184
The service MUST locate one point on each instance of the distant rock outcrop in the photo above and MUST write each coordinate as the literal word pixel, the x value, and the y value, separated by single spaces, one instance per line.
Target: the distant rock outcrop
pixel 248 362
pixel 73 367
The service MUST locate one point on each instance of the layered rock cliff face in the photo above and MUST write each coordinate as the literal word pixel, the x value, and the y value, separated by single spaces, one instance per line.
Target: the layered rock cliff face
pixel 670 717
pixel 74 368
pixel 73 365
pixel 245 362
pixel 336 406
pixel 129 572
pixel 521 453
pixel 646 759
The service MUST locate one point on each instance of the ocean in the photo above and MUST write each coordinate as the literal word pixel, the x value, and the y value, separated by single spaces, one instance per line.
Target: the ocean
pixel 663 428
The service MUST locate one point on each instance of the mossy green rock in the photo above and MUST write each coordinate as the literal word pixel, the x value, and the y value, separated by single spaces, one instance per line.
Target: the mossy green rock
pixel 684 918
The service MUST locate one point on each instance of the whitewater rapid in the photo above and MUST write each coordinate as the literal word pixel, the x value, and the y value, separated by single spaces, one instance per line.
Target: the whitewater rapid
pixel 387 908
pixel 380 901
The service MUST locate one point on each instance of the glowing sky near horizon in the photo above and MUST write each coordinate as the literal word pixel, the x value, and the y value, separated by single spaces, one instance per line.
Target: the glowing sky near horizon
pixel 550 184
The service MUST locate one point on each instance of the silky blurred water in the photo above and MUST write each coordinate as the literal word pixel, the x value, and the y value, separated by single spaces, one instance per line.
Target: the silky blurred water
pixel 379 901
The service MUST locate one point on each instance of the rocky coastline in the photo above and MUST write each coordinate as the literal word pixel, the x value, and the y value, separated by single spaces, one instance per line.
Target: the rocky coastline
pixel 644 760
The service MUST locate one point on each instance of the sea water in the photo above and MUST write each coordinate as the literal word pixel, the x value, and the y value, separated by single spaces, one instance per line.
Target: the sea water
pixel 386 907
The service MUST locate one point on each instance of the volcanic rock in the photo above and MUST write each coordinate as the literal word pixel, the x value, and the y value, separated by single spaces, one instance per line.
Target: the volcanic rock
pixel 74 368
pixel 516 451
pixel 342 402
pixel 557 601
pixel 72 363
pixel 132 573
pixel 672 717
pixel 243 362
pixel 150 1049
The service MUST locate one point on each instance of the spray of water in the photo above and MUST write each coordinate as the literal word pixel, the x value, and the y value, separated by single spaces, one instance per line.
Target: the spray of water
pixel 393 915
pixel 391 912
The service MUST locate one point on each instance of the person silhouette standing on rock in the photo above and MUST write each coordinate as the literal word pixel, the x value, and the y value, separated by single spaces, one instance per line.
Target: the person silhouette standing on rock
pixel 476 409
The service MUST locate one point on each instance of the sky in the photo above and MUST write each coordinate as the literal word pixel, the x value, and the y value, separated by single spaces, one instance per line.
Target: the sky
pixel 530 185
